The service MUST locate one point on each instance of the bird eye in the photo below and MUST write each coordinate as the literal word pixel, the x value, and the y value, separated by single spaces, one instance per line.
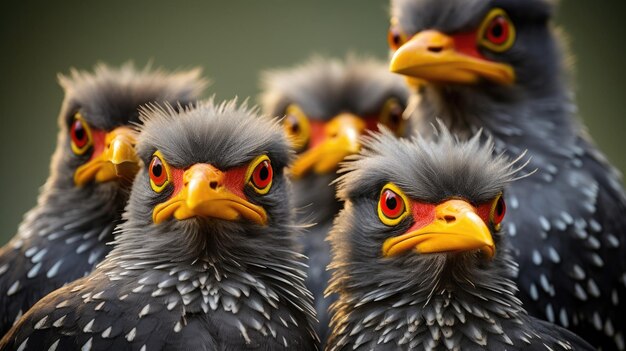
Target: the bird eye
pixel 498 209
pixel 391 116
pixel 159 172
pixel 260 174
pixel 80 133
pixel 296 127
pixel 497 32
pixel 392 205
pixel 395 37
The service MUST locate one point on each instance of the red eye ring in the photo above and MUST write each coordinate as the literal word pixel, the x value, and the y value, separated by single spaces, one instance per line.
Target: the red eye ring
pixel 80 135
pixel 260 174
pixel 498 210
pixel 392 205
pixel 498 30
pixel 158 172
pixel 395 37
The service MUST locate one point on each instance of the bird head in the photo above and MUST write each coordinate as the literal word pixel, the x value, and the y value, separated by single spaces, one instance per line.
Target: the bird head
pixel 328 104
pixel 214 172
pixel 416 209
pixel 97 139
pixel 500 43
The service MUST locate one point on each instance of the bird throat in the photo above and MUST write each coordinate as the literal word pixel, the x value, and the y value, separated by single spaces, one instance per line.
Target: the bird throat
pixel 507 114
pixel 435 314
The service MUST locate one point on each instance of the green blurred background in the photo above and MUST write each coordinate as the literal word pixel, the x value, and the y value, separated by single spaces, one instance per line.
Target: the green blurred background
pixel 233 41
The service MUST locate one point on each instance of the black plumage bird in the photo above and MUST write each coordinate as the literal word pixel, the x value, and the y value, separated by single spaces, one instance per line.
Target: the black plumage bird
pixel 205 259
pixel 499 66
pixel 65 235
pixel 419 260
pixel 327 105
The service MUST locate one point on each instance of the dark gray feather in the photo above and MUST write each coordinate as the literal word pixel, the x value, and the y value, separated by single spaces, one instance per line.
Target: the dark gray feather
pixel 566 222
pixel 323 88
pixel 200 283
pixel 65 235
pixel 412 301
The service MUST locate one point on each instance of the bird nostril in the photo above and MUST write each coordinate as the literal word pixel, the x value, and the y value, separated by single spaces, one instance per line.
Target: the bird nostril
pixel 449 219
pixel 213 185
pixel 435 49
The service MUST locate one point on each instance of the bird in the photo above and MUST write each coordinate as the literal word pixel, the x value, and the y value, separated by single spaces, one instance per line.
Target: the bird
pixel 327 104
pixel 66 234
pixel 419 258
pixel 501 66
pixel 206 259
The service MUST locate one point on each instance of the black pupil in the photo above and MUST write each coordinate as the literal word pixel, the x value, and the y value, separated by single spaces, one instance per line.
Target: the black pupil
pixel 396 115
pixel 391 202
pixel 499 207
pixel 157 169
pixel 264 172
pixel 396 38
pixel 497 29
pixel 295 127
pixel 79 131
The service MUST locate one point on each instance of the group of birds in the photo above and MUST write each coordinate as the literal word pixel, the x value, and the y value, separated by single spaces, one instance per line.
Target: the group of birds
pixel 454 204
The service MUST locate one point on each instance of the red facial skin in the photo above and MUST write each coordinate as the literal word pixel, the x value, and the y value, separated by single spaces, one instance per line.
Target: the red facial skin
pixel 97 143
pixel 466 44
pixel 424 214
pixel 234 180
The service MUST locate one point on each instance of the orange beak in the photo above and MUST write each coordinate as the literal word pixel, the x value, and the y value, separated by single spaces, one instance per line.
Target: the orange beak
pixel 118 160
pixel 431 55
pixel 456 228
pixel 341 139
pixel 204 194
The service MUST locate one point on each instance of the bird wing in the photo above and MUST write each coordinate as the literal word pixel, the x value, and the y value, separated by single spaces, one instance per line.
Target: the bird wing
pixel 98 314
pixel 552 335
pixel 568 231
pixel 31 266
pixel 155 310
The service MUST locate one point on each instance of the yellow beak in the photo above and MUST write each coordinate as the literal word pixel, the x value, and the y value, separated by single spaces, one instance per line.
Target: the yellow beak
pixel 118 160
pixel 341 139
pixel 457 227
pixel 432 56
pixel 204 194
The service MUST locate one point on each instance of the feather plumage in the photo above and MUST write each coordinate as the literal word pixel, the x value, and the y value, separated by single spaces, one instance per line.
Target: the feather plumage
pixel 566 222
pixel 201 283
pixel 324 88
pixel 436 301
pixel 66 234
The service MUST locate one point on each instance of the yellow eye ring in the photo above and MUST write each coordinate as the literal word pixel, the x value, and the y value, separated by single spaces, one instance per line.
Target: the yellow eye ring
pixel 497 212
pixel 496 32
pixel 159 172
pixel 260 174
pixel 392 117
pixel 296 126
pixel 392 205
pixel 80 135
